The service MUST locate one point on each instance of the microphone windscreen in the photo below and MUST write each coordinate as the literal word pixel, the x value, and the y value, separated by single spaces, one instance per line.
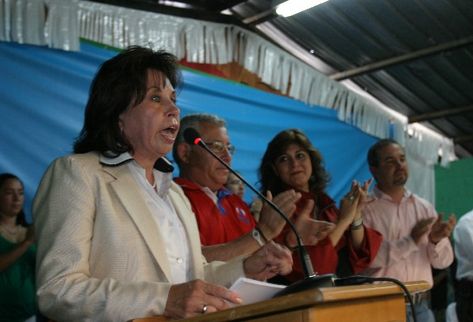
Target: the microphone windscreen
pixel 190 135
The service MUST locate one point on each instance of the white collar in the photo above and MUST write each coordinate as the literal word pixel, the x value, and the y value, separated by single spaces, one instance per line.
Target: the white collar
pixel 162 164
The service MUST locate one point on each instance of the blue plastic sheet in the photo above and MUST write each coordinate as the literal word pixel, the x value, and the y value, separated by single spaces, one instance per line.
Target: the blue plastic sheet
pixel 43 94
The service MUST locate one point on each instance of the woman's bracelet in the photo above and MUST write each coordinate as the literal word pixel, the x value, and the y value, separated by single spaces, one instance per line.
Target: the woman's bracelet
pixel 357 224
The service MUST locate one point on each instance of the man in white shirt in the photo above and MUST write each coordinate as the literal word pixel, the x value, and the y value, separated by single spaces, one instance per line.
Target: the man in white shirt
pixel 463 239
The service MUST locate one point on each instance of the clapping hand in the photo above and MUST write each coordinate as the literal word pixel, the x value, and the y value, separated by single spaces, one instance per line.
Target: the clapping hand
pixel 272 223
pixel 311 230
pixel 441 229
pixel 353 202
pixel 421 228
pixel 364 192
pixel 349 203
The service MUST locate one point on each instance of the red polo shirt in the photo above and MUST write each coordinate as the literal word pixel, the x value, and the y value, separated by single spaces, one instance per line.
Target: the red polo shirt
pixel 218 223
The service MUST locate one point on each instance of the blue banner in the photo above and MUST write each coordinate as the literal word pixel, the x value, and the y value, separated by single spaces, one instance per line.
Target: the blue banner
pixel 44 91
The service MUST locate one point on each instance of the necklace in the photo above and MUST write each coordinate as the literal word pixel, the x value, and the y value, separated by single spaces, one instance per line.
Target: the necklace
pixel 9 230
pixel 11 234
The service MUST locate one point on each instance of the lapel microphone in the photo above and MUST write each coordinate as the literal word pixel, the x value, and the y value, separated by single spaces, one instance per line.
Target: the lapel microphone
pixel 311 279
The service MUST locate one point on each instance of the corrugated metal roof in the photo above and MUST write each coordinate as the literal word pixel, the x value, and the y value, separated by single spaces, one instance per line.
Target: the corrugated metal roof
pixel 414 56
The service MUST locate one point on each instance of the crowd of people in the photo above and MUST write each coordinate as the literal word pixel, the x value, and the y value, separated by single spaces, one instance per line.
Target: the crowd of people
pixel 116 237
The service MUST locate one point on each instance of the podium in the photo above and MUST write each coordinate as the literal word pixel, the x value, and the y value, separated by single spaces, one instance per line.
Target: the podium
pixel 383 302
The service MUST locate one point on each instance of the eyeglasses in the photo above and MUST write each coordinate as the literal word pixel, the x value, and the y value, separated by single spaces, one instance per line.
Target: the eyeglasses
pixel 219 147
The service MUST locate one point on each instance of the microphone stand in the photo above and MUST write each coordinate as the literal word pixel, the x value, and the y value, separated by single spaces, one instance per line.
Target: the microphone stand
pixel 311 279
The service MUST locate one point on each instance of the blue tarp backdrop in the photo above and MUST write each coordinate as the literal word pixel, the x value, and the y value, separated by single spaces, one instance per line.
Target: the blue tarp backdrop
pixel 43 94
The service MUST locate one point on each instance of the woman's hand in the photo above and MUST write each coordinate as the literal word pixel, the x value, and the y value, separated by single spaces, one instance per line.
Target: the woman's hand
pixel 364 193
pixel 351 211
pixel 349 204
pixel 270 260
pixel 272 223
pixel 311 231
pixel 354 201
pixel 197 297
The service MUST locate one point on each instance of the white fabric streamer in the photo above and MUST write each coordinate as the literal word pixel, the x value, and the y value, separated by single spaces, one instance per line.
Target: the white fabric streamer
pixel 24 21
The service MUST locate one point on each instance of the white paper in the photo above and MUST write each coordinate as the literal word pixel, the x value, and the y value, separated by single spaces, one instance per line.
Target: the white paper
pixel 252 291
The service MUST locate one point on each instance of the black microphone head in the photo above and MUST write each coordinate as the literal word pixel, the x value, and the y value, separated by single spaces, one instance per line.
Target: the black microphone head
pixel 190 135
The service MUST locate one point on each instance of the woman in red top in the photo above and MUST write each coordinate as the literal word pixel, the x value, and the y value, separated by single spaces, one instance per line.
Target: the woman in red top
pixel 292 162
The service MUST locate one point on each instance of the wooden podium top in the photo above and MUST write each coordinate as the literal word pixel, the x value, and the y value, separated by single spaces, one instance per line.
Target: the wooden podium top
pixel 303 300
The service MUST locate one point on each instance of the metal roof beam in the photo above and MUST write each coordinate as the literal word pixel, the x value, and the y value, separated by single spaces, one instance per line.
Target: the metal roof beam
pixel 439 114
pixel 463 138
pixel 194 12
pixel 260 17
pixel 382 64
pixel 230 4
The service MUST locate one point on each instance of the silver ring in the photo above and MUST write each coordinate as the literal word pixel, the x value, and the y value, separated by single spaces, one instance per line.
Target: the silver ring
pixel 204 308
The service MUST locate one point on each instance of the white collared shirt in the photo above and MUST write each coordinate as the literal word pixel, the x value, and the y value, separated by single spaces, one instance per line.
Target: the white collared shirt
pixel 463 237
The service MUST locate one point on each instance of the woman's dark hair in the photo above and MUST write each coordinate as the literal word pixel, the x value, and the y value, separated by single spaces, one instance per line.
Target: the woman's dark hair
pixel 20 218
pixel 119 84
pixel 268 178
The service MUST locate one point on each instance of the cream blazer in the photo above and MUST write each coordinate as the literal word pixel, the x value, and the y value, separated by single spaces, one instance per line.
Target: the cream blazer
pixel 100 255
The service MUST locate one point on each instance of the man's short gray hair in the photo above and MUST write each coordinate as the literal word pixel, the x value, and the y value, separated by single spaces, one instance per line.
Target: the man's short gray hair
pixel 195 121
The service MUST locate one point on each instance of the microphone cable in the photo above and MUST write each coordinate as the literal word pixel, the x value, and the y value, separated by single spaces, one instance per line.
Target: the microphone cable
pixel 359 279
pixel 312 280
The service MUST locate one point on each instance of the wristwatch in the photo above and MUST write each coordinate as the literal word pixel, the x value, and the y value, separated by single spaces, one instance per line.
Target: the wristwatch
pixel 257 236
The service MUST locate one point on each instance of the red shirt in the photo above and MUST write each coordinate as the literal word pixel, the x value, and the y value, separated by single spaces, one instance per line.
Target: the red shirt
pixel 324 255
pixel 218 223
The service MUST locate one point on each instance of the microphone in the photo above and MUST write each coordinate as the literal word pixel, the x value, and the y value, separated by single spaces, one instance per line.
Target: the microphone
pixel 311 279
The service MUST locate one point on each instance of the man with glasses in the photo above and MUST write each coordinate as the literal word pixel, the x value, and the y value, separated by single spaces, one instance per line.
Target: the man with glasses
pixel 227 228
